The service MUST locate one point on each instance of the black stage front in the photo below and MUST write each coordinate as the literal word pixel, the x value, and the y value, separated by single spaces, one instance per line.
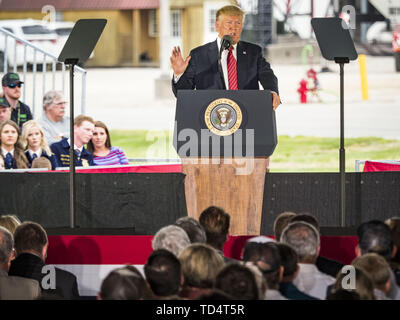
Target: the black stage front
pixel 145 202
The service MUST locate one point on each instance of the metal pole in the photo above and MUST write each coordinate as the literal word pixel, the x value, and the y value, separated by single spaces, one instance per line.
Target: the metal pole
pixel 342 152
pixel 71 149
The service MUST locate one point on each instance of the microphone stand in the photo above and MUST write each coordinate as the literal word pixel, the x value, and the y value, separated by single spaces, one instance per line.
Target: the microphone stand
pixel 221 72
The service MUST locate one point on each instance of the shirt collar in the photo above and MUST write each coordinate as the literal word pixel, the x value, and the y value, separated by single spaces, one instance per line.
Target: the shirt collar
pixel 75 147
pixel 38 152
pixel 4 152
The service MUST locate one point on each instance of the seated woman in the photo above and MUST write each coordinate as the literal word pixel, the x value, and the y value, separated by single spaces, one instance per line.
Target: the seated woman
pixel 35 144
pixel 100 146
pixel 11 148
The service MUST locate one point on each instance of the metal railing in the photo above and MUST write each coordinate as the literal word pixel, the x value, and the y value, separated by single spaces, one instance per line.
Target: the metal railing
pixel 360 162
pixel 21 58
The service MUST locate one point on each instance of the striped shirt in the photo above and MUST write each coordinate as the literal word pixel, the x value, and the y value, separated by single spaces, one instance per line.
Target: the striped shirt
pixel 116 156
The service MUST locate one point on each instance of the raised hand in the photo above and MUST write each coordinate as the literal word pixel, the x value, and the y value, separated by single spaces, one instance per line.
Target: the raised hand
pixel 177 63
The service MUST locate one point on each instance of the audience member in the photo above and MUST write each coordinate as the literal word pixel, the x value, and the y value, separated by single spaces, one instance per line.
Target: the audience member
pixel 237 281
pixel 34 143
pixel 266 257
pixel 193 228
pixel 215 294
pixel 376 237
pixel 83 132
pixel 163 273
pixel 12 92
pixel 2 164
pixel 304 239
pixel 378 271
pixel 5 110
pixel 258 275
pixel 41 162
pixel 280 223
pixel 200 265
pixel 124 283
pixel 11 287
pixel 100 146
pixel 363 285
pixel 290 271
pixel 323 264
pixel 54 122
pixel 394 225
pixel 342 294
pixel 171 238
pixel 10 222
pixel 215 222
pixel 11 149
pixel 31 246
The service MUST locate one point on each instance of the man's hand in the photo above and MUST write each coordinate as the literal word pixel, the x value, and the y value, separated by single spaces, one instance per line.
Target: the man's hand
pixel 178 64
pixel 276 101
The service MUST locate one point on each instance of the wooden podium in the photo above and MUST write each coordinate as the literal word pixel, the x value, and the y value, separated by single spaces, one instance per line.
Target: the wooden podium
pixel 225 166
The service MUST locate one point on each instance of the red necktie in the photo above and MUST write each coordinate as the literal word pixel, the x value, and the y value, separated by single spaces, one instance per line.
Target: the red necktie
pixel 232 72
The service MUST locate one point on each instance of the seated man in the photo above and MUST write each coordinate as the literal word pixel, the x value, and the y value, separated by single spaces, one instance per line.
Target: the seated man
pixel 54 122
pixel 5 110
pixel 83 132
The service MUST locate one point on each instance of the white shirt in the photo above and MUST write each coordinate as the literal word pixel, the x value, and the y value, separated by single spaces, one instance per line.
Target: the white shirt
pixel 4 152
pixel 38 152
pixel 75 147
pixel 312 281
pixel 224 62
pixel 272 294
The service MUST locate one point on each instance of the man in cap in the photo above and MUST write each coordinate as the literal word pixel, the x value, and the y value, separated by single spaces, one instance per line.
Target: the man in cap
pixel 20 112
pixel 5 110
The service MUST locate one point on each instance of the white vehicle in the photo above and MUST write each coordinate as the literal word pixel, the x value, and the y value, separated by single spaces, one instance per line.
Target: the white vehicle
pixel 378 34
pixel 33 31
pixel 62 29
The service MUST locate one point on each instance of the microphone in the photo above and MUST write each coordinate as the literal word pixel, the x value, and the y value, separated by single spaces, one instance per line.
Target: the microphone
pixel 226 42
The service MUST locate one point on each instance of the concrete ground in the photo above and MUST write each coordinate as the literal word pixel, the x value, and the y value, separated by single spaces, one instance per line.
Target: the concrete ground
pixel 124 98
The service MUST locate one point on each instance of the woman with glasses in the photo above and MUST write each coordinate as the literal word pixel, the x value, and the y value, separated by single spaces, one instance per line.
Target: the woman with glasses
pixel 100 146
pixel 21 113
pixel 11 148
pixel 34 143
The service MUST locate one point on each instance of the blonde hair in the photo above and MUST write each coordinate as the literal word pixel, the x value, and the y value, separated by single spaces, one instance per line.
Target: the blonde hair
pixel 10 222
pixel 24 136
pixel 230 10
pixel 81 118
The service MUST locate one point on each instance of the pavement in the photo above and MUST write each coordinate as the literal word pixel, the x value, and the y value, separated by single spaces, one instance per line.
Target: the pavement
pixel 124 98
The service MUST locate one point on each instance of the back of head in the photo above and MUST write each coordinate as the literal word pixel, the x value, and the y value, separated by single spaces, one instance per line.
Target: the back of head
pixel 123 284
pixel 193 228
pixel 376 267
pixel 342 294
pixel 306 217
pixel 163 273
pixel 304 239
pixel 266 257
pixel 215 222
pixel 30 237
pixel 172 238
pixel 200 265
pixel 289 259
pixel 10 222
pixel 41 162
pixel 363 284
pixel 375 237
pixel 238 281
pixel 280 223
pixel 215 294
pixel 6 245
pixel 394 225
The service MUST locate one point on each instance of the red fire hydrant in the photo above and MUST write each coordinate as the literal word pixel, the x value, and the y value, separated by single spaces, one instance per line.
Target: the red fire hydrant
pixel 302 90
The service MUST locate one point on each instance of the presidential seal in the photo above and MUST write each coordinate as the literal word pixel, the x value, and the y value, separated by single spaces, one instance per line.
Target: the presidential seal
pixel 223 117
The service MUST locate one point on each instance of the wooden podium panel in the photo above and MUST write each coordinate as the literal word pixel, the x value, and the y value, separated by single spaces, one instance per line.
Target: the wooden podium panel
pixel 236 185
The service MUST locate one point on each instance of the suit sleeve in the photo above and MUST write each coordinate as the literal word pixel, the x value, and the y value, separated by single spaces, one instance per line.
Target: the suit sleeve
pixel 187 80
pixel 265 74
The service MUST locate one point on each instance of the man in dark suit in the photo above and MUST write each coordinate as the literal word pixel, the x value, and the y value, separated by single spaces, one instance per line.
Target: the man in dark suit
pixel 31 245
pixel 243 66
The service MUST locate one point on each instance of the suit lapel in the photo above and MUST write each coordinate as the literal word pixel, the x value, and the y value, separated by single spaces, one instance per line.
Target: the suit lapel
pixel 242 62
pixel 213 59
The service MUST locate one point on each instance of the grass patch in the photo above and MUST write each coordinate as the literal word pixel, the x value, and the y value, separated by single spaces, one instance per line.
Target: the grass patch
pixel 292 154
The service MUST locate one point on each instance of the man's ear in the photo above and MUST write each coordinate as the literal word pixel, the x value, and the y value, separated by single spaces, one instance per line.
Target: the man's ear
pixel 281 271
pixel 357 251
pixel 44 251
pixel 318 250
pixel 394 251
pixel 98 297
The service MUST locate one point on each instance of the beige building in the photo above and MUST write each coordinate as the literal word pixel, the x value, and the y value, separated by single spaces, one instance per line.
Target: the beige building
pixel 131 36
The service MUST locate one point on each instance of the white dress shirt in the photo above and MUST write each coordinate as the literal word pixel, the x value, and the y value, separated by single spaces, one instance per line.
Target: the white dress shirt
pixel 38 152
pixel 4 152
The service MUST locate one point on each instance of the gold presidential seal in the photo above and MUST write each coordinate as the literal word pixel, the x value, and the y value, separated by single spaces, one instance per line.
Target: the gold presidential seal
pixel 223 117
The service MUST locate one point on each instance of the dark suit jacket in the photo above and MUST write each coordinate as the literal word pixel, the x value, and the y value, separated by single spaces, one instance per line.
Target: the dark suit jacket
pixel 328 266
pixel 18 288
pixel 61 152
pixel 290 291
pixel 51 158
pixel 202 72
pixel 30 266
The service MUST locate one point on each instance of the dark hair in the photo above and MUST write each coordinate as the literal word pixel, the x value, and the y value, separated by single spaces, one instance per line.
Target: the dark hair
pixel 193 228
pixel 19 154
pixel 100 124
pixel 306 217
pixel 394 225
pixel 124 283
pixel 163 272
pixel 30 236
pixel 342 294
pixel 215 222
pixel 237 281
pixel 375 237
pixel 289 259
pixel 215 294
pixel 280 222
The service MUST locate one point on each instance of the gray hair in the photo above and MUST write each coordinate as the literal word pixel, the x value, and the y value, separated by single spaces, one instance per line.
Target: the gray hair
pixel 303 238
pixel 171 238
pixel 6 245
pixel 193 228
pixel 50 96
